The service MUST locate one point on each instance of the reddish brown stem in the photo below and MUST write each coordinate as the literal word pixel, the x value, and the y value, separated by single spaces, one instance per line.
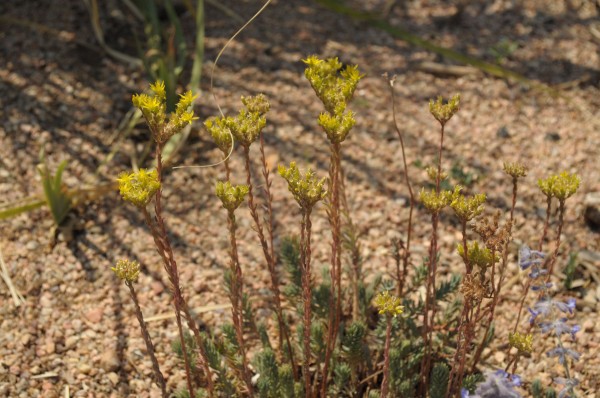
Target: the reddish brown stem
pixel 163 244
pixel 270 260
pixel 428 320
pixel 236 295
pixel 305 255
pixel 385 384
pixel 406 256
pixel 335 308
pixel 158 376
pixel 496 298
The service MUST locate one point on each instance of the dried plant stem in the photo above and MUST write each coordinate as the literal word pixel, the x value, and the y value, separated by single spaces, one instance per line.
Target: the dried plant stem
pixel 352 241
pixel 335 307
pixel 561 221
pixel 235 295
pixel 428 319
pixel 227 170
pixel 158 376
pixel 305 255
pixel 163 244
pixel 267 252
pixel 385 384
pixel 461 343
pixel 406 257
pixel 497 291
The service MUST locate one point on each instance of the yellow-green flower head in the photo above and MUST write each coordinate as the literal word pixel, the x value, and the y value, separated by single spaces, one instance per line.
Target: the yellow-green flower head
pixel 231 196
pixel 127 270
pixel 139 188
pixel 337 126
pixel 522 342
pixel 154 109
pixel 182 116
pixel 432 173
pixel 434 202
pixel 220 132
pixel 388 304
pixel 306 188
pixel 515 170
pixel 159 90
pixel 466 209
pixel 444 112
pixel 246 126
pixel 259 104
pixel 479 256
pixel 560 186
pixel 333 85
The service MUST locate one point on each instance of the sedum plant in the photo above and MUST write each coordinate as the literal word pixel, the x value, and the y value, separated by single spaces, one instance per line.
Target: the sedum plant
pixel 417 332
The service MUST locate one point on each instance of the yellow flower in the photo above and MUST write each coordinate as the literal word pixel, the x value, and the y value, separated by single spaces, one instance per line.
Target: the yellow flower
pixel 127 270
pixel 435 202
pixel 388 304
pixel 466 209
pixel 444 112
pixel 522 342
pixel 138 188
pixel 231 196
pixel 306 188
pixel 560 186
pixel 516 170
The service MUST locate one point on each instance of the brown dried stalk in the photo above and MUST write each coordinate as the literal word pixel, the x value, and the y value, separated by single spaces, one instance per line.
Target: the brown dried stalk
pixel 236 294
pixel 335 303
pixel 385 384
pixel 305 256
pixel 165 250
pixel 283 330
pixel 406 256
pixel 497 291
pixel 158 376
pixel 268 252
pixel 428 320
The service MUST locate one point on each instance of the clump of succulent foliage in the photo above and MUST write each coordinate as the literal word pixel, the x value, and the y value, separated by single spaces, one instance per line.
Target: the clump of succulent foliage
pixel 417 332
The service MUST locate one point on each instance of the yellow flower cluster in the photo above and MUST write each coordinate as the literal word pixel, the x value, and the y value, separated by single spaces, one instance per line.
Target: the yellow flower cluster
pixel 138 188
pixel 432 173
pixel 434 202
pixel 479 256
pixel 516 170
pixel 154 109
pixel 335 86
pixel 466 209
pixel 220 132
pixel 231 196
pixel 306 188
pixel 257 104
pixel 127 270
pixel 522 342
pixel 244 128
pixel 560 186
pixel 388 304
pixel 444 112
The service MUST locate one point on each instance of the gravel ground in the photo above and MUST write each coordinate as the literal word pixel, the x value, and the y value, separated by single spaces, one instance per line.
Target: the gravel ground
pixel 76 330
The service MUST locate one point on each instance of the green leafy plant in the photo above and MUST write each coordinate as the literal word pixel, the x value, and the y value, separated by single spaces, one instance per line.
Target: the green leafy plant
pixel 54 191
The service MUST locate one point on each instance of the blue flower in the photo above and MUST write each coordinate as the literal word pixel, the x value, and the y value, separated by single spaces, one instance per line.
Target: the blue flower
pixel 498 384
pixel 569 385
pixel 544 286
pixel 562 353
pixel 559 326
pixel 528 257
pixel 569 306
